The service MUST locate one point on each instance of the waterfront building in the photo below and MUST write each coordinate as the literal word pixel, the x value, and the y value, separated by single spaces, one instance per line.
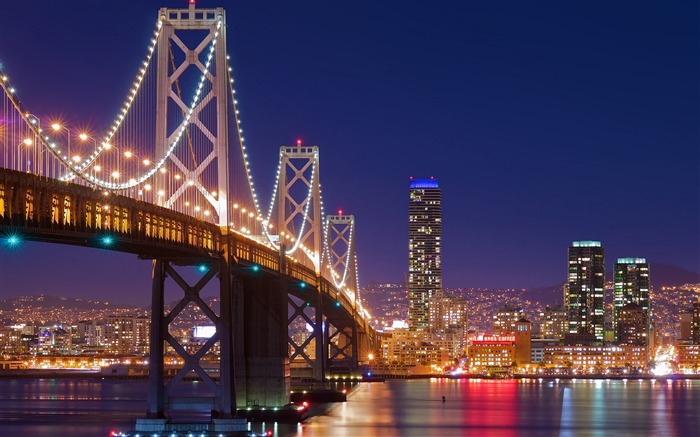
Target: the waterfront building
pixel 585 297
pixel 633 325
pixel 492 354
pixel 424 249
pixel 506 318
pixel 596 359
pixel 631 285
pixel 411 348
pixel 553 322
pixel 537 346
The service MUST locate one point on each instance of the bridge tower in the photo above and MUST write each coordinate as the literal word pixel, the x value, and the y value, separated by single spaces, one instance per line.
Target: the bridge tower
pixel 342 333
pixel 299 173
pixel 211 157
pixel 175 60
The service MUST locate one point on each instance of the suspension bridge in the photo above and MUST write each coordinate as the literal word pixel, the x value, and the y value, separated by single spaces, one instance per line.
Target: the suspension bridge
pixel 169 180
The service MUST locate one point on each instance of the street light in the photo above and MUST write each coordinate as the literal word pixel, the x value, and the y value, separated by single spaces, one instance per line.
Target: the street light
pixel 57 127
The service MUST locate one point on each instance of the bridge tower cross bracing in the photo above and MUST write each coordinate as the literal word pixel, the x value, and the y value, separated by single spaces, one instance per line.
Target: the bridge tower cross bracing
pixel 214 22
pixel 299 166
pixel 340 240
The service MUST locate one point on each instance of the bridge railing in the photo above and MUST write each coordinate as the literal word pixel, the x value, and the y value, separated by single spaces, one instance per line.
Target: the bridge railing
pixel 36 203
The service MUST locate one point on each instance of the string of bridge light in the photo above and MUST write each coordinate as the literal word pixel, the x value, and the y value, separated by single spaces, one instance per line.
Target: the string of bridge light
pixel 249 173
pixel 241 141
pixel 125 108
pixel 181 130
pixel 329 253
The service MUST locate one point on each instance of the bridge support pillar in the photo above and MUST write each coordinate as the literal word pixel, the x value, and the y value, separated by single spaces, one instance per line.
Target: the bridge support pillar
pixel 321 341
pixel 156 390
pixel 220 396
pixel 266 369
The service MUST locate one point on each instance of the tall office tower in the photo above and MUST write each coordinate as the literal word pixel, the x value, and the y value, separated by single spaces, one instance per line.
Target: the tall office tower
pixel 424 249
pixel 631 286
pixel 505 319
pixel 696 322
pixel 586 289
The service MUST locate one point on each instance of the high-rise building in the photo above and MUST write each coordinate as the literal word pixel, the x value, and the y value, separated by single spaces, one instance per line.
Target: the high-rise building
pixel 686 319
pixel 633 325
pixel 424 249
pixel 553 322
pixel 126 334
pixel 586 289
pixel 631 286
pixel 448 321
pixel 505 319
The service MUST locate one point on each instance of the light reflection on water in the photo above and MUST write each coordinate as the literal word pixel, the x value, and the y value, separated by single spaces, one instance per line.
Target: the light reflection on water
pixel 74 407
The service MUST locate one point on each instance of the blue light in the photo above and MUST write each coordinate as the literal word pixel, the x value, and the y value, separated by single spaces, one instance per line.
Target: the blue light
pixel 337 304
pixel 256 267
pixel 424 183
pixel 203 268
pixel 107 241
pixel 12 241
pixel 302 284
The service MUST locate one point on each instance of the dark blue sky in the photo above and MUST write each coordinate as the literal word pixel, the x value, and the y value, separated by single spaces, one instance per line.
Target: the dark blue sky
pixel 545 122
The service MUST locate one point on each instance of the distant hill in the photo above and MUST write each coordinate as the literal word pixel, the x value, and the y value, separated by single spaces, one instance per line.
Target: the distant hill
pixel 50 301
pixel 43 308
pixel 670 275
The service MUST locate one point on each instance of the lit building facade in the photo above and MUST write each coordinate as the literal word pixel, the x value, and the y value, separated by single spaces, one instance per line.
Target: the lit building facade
pixel 404 347
pixel 688 358
pixel 596 359
pixel 491 353
pixel 631 285
pixel 126 334
pixel 448 321
pixel 505 319
pixel 424 249
pixel 585 297
pixel 633 325
pixel 553 322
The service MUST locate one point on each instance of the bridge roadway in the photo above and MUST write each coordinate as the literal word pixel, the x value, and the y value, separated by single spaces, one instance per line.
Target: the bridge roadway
pixel 42 209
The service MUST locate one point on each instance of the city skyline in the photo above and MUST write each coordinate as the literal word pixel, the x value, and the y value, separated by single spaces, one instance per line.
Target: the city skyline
pixel 507 138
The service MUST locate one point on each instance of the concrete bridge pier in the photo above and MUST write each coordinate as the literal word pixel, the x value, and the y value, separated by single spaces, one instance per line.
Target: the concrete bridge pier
pixel 262 341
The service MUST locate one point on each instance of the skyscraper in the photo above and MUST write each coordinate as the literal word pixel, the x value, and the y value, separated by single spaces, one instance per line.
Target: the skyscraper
pixel 586 289
pixel 631 285
pixel 424 249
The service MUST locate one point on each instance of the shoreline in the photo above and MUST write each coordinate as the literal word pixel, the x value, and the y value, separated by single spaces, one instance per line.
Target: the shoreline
pixel 95 374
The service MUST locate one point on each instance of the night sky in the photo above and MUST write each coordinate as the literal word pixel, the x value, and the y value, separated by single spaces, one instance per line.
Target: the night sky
pixel 545 122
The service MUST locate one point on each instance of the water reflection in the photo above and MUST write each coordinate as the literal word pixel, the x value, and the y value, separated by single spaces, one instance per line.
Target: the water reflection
pixel 63 407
